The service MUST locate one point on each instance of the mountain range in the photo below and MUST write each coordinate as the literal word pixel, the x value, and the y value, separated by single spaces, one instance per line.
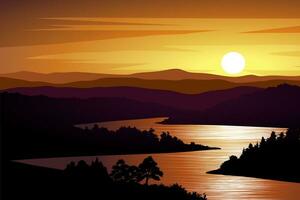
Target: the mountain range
pixel 170 74
pixel 187 86
pixel 274 106
pixel 192 102
pixel 187 98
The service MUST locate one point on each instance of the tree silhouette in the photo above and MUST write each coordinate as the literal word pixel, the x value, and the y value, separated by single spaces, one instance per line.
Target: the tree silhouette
pixel 121 172
pixel 148 169
pixel 71 167
pixel 98 171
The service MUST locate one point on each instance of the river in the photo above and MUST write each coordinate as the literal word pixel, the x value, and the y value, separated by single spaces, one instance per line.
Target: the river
pixel 189 168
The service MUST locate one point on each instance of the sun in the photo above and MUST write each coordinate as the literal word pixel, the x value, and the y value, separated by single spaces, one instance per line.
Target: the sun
pixel 233 63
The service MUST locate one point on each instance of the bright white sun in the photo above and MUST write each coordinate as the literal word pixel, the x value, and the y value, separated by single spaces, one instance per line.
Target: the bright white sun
pixel 233 62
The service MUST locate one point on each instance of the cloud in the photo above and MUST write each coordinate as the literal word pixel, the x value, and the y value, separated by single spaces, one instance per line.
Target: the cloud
pixel 66 36
pixel 155 8
pixel 60 21
pixel 77 29
pixel 291 29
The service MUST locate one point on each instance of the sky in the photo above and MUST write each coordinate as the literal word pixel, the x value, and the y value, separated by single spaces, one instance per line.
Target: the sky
pixel 123 37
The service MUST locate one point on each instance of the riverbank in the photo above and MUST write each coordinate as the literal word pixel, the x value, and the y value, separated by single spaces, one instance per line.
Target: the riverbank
pixel 83 181
pixel 275 158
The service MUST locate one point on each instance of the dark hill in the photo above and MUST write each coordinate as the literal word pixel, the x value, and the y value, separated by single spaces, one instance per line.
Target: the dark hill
pixel 167 98
pixel 274 106
pixel 45 110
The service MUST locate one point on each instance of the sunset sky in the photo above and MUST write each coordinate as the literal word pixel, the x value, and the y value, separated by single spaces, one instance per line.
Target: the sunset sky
pixel 122 37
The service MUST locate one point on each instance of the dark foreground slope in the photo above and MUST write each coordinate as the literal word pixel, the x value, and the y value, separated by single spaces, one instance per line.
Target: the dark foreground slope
pixel 276 157
pixel 82 181
pixel 274 107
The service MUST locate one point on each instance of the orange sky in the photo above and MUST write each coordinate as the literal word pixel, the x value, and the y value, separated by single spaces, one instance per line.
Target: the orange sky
pixel 118 36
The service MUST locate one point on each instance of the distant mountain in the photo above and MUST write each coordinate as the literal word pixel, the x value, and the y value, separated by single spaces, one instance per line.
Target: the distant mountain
pixel 274 106
pixel 178 74
pixel 170 74
pixel 182 86
pixel 167 98
pixel 187 86
pixel 174 74
pixel 13 83
pixel 56 78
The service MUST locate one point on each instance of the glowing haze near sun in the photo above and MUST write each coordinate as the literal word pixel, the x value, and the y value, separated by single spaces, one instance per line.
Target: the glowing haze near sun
pixel 118 37
pixel 233 63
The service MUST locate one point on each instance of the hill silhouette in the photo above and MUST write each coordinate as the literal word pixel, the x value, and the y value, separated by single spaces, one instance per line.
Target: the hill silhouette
pixel 6 83
pixel 259 107
pixel 273 158
pixel 176 100
pixel 169 74
pixel 274 106
pixel 42 109
pixel 56 77
pixel 187 86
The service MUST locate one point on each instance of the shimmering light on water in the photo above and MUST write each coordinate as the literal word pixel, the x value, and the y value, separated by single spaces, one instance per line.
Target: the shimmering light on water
pixel 189 168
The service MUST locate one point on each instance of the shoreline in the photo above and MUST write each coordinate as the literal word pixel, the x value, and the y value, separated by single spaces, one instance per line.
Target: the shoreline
pixel 112 154
pixel 281 179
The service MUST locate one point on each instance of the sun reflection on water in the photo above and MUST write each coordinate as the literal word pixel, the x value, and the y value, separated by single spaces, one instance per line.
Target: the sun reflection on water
pixel 189 168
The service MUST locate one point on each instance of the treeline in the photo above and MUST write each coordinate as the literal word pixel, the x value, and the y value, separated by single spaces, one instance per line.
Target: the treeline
pixel 276 157
pixel 130 181
pixel 83 181
pixel 131 139
pixel 37 142
pixel 121 172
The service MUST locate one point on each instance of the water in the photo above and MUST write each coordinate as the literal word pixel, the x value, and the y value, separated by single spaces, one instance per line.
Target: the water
pixel 189 168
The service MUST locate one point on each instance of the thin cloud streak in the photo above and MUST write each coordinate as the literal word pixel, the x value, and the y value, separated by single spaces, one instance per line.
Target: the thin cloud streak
pixel 293 29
